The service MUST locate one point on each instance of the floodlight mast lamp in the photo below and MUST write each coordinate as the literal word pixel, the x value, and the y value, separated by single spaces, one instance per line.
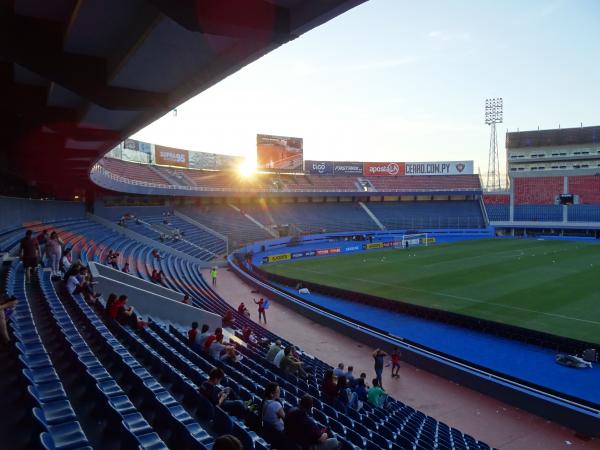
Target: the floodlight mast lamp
pixel 493 115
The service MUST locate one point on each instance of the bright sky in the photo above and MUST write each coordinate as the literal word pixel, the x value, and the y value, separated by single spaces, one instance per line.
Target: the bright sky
pixel 399 80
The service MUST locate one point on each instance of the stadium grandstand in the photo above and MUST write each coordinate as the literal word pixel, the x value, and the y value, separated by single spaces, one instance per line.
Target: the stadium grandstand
pixel 554 183
pixel 116 253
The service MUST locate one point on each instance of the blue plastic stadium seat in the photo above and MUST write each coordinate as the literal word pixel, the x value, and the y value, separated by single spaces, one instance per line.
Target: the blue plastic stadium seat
pixel 64 437
pixel 121 404
pixel 151 441
pixel 47 392
pixel 136 423
pixel 53 413
pixel 43 375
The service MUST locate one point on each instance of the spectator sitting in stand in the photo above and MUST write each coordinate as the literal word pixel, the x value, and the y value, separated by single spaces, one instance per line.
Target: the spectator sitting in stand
pixel 125 314
pixel 289 364
pixel 301 429
pixel 66 260
pixel 201 338
pixel 243 310
pixel 360 389
pixel 228 319
pixel 126 268
pixel 273 351
pixel 156 255
pixel 350 376
pixel 212 338
pixel 186 299
pixel 225 398
pixel 192 333
pixel 272 415
pixel 376 395
pixel 155 277
pixel 339 370
pixel 329 386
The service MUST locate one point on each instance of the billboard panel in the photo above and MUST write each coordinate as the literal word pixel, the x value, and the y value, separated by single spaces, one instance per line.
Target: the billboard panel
pixel 318 167
pixel 439 168
pixel 347 168
pixel 168 156
pixel 281 153
pixel 214 161
pixel 383 169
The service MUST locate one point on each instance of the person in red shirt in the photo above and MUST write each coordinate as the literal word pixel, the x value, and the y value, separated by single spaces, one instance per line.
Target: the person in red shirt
pixel 186 299
pixel 395 357
pixel 228 319
pixel 30 253
pixel 212 338
pixel 261 309
pixel 329 386
pixel 192 332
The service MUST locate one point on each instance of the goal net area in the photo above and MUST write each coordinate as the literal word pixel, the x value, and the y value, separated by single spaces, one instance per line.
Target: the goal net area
pixel 412 240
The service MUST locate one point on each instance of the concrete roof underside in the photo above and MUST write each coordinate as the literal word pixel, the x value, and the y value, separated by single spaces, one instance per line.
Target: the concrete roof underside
pixel 78 76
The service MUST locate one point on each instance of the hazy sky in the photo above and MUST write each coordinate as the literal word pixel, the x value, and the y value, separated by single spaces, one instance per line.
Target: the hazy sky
pixel 396 80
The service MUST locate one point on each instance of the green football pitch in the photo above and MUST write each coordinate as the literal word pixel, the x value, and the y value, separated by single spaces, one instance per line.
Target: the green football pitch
pixel 550 286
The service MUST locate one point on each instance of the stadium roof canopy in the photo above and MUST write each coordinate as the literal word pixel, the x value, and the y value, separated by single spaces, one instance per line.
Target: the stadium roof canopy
pixel 554 137
pixel 78 76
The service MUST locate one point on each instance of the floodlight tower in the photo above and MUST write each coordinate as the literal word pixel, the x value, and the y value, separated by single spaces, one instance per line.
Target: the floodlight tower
pixel 493 115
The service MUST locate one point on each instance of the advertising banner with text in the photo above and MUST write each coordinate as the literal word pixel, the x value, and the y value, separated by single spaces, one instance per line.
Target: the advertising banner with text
pixel 383 169
pixel 439 168
pixel 168 156
pixel 347 168
pixel 318 167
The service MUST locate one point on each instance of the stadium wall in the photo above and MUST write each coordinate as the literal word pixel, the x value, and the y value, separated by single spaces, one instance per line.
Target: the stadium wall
pixel 17 211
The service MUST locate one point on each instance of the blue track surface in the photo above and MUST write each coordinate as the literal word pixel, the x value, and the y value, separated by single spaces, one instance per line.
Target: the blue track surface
pixel 527 362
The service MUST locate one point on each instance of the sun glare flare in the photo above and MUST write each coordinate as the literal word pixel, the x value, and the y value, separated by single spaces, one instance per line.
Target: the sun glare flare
pixel 247 168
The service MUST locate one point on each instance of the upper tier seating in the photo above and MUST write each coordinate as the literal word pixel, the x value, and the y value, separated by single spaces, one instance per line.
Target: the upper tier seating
pixel 143 385
pixel 537 190
pixel 216 181
pixel 427 183
pixel 428 214
pixel 496 199
pixel 588 189
pixel 133 171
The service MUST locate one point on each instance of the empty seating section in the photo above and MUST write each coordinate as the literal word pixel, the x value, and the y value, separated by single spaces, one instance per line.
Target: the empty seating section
pixel 217 181
pixel 497 211
pixel 496 199
pixel 133 171
pixel 587 188
pixel 144 385
pixel 538 213
pixel 226 220
pixel 316 217
pixel 426 183
pixel 584 213
pixel 428 214
pixel 195 241
pixel 537 190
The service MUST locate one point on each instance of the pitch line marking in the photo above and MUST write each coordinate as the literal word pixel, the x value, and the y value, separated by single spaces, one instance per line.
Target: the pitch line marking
pixel 459 297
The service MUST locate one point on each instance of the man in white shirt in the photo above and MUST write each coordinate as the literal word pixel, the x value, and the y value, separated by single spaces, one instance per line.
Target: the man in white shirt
pixel 278 357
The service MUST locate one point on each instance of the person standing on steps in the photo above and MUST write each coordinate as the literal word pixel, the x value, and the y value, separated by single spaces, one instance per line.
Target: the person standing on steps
pixel 213 276
pixel 29 253
pixel 262 307
pixel 395 356
pixel 378 356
